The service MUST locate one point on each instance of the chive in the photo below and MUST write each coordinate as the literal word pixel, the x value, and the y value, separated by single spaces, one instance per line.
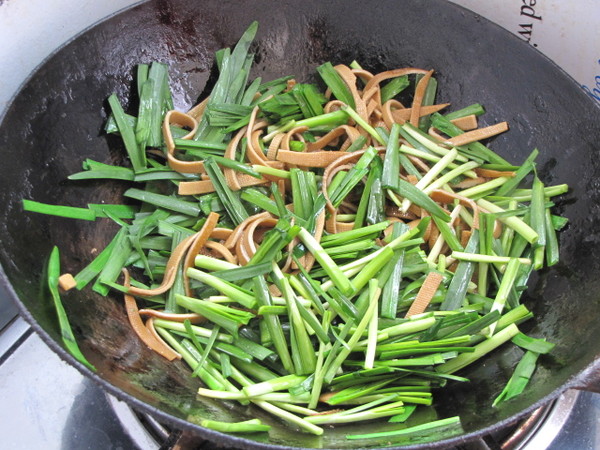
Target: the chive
pixel 476 257
pixel 475 149
pixel 520 377
pixel 361 122
pixel 443 428
pixel 227 288
pixel 403 417
pixel 334 82
pixel 448 234
pixel 353 177
pixel 334 240
pixel 375 212
pixel 532 344
pixel 419 198
pixel 230 200
pixel 552 250
pixel 259 199
pixel 199 331
pixel 428 99
pixel 115 262
pixel 391 288
pixel 69 212
pixel 66 332
pixel 372 268
pixel 89 272
pixel 228 318
pixel 374 293
pixel 206 147
pixel 393 88
pixel 96 170
pixel 137 156
pixel 514 222
pixel 481 349
pixel 229 163
pixel 120 211
pixel 164 201
pixel 303 354
pixel 331 119
pixel 247 426
pixel 457 289
pixel 520 174
pixel 475 109
pixel 340 280
pixel 273 323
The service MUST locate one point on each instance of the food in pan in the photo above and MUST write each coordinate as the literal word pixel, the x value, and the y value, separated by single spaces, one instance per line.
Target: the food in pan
pixel 330 252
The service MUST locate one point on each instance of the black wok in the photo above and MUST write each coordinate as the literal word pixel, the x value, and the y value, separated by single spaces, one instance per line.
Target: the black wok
pixel 56 120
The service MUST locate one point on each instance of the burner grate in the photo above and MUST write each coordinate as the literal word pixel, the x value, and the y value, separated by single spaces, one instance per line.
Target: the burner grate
pixel 536 432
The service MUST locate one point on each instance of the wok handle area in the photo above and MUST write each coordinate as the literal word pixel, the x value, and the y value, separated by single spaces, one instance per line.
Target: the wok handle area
pixel 589 380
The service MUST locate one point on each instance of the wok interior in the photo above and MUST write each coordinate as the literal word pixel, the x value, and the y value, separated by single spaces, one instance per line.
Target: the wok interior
pixel 56 122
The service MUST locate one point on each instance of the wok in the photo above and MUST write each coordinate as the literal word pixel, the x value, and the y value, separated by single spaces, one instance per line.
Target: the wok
pixel 56 121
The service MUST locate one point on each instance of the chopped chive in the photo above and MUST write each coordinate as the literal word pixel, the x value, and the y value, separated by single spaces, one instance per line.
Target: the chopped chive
pixel 247 426
pixel 70 212
pixel 66 332
pixel 137 155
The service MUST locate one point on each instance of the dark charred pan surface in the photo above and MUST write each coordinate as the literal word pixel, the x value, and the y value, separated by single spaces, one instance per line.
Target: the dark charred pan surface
pixel 57 120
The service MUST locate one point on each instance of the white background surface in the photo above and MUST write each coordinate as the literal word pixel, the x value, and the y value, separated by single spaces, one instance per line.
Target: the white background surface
pixel 566 31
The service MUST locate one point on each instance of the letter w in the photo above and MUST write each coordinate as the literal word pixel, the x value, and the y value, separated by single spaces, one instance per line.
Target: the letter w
pixel 526 31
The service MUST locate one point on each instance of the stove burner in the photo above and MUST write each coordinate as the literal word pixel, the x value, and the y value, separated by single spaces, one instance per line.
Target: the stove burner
pixel 536 432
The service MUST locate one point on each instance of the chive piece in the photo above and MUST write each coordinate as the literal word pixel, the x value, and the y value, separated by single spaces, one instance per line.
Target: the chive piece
pixel 120 211
pixel 393 88
pixel 538 221
pixel 428 99
pixel 137 156
pixel 263 297
pixel 65 327
pixel 69 212
pixel 234 292
pixel 541 346
pixel 552 250
pixel 334 82
pixel 391 162
pixel 374 293
pixel 115 262
pixel 457 289
pixel 475 109
pixel 224 316
pixel 353 177
pixel 96 170
pixel 520 377
pixel 475 149
pixel 303 354
pixel 514 222
pixel 340 280
pixel 481 349
pixel 243 273
pixel 526 168
pixel 421 199
pixel 361 122
pixel 88 273
pixel 443 428
pixel 231 200
pixel 334 240
pixel 247 426
pixel 164 201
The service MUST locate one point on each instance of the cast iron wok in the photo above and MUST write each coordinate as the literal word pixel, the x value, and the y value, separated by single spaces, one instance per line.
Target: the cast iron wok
pixel 56 121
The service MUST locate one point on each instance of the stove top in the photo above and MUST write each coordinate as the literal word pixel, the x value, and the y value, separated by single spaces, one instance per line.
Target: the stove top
pixel 48 404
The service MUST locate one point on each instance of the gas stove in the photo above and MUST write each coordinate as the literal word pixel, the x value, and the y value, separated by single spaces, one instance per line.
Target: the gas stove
pixel 48 404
